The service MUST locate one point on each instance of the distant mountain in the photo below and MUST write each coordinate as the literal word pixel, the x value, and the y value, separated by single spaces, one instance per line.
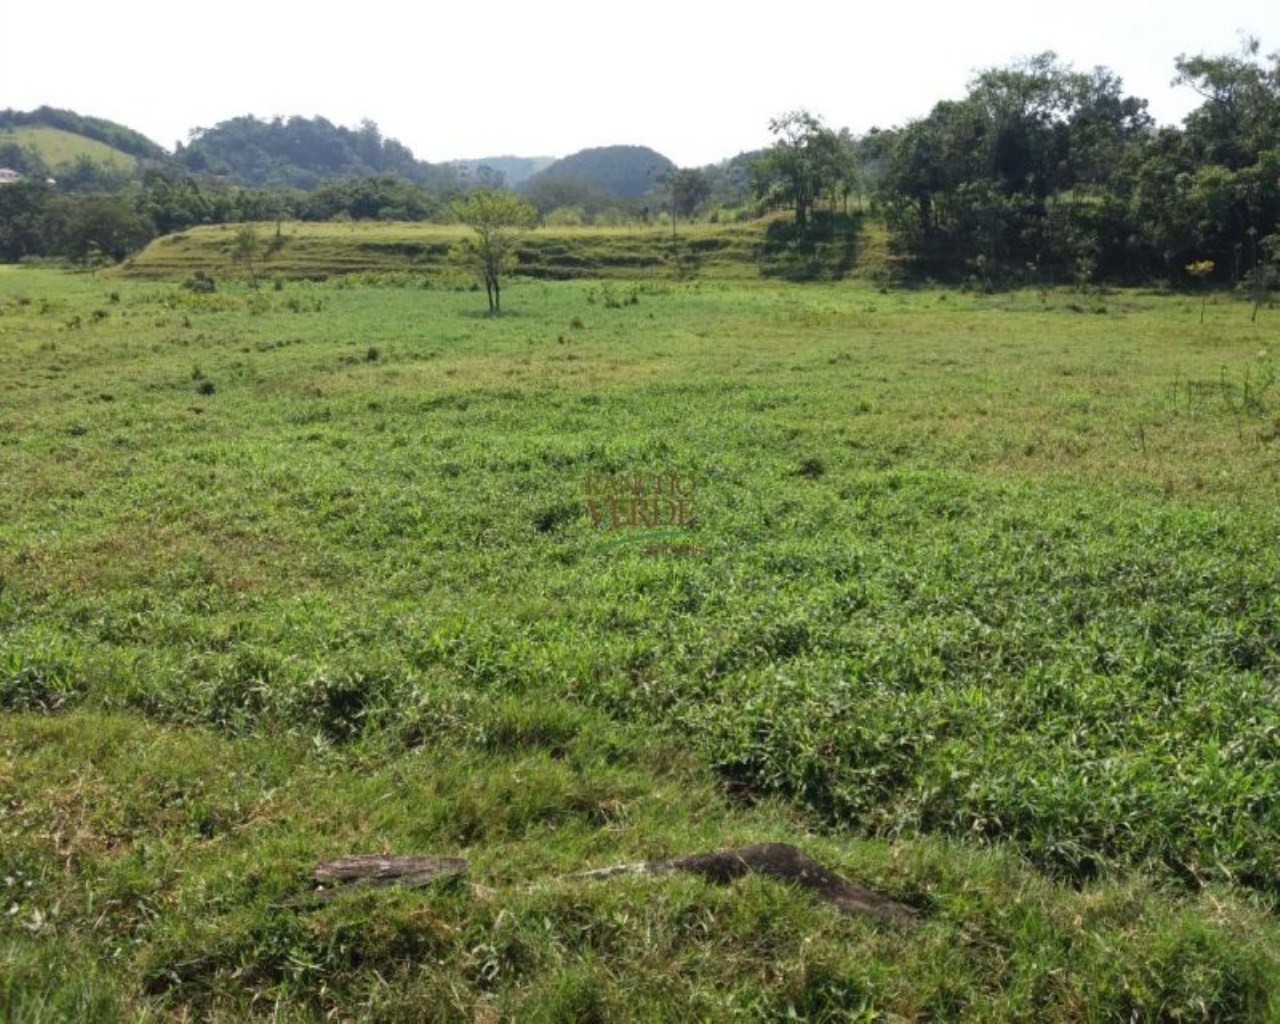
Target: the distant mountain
pixel 514 170
pixel 627 171
pixel 302 152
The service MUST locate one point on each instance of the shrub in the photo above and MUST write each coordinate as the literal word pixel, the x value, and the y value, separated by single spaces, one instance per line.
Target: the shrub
pixel 200 282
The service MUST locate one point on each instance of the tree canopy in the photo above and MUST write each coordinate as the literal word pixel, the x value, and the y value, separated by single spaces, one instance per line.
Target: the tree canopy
pixel 1058 172
pixel 302 152
pixel 808 160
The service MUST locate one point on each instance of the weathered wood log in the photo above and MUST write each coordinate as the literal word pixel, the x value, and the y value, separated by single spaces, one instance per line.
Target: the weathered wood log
pixel 774 860
pixel 376 869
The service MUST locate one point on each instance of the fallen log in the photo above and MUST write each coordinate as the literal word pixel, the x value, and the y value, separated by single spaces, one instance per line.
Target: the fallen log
pixel 774 860
pixel 376 869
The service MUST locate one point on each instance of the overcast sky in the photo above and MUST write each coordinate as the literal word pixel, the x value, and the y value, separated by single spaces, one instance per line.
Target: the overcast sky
pixel 697 80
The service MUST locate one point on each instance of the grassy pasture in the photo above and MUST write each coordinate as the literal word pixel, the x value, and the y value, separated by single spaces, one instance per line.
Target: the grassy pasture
pixel 979 606
pixel 58 148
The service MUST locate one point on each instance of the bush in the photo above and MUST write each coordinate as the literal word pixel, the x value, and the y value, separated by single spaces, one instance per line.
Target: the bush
pixel 200 282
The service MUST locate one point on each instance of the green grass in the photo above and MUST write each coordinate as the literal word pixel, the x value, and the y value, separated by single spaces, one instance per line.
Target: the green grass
pixel 979 607
pixel 59 148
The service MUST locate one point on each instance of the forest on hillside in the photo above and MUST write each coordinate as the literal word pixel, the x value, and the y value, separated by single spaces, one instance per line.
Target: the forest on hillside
pixel 1040 172
pixel 302 153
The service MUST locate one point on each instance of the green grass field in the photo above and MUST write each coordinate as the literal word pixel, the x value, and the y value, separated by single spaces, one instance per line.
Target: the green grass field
pixel 58 148
pixel 975 602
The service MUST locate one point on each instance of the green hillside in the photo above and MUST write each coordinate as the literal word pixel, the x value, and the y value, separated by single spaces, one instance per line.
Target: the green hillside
pixel 628 171
pixel 60 148
pixel 110 133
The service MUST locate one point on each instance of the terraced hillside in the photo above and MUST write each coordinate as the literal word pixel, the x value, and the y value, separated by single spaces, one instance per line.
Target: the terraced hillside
pixel 319 251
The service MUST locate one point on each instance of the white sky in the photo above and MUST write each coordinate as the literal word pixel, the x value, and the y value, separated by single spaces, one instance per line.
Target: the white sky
pixel 697 80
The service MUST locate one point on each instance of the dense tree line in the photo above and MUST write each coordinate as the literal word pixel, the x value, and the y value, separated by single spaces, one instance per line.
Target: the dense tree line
pixel 1023 173
pixel 1059 172
pixel 35 220
pixel 1042 172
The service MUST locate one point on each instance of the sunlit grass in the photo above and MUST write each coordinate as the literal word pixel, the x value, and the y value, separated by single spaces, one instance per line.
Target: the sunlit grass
pixel 979 606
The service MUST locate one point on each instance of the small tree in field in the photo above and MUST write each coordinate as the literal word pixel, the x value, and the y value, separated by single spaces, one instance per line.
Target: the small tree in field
pixel 245 250
pixel 497 218
pixel 1201 270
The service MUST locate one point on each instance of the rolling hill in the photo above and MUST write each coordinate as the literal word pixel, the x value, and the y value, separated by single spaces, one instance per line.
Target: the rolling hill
pixel 627 171
pixel 304 152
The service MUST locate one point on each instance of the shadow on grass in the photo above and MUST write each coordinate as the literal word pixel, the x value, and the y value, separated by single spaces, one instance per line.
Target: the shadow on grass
pixel 825 249
pixel 480 313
